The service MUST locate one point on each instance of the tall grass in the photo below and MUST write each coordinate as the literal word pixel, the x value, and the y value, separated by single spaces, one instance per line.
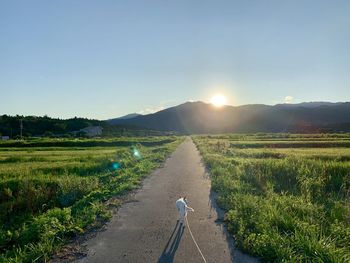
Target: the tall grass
pixel 59 142
pixel 48 195
pixel 283 204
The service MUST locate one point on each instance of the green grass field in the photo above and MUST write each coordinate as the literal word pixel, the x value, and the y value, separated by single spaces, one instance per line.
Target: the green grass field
pixel 286 197
pixel 54 189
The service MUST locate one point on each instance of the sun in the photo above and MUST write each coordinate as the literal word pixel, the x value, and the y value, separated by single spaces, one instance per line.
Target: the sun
pixel 218 100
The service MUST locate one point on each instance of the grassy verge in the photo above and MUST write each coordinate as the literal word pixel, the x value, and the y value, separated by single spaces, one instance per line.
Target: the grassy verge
pixel 49 195
pixel 283 203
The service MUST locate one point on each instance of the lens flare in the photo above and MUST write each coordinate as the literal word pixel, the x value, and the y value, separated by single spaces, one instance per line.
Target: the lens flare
pixel 136 153
pixel 115 166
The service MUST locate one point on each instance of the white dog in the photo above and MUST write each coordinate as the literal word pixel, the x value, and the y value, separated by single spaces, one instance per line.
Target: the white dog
pixel 182 208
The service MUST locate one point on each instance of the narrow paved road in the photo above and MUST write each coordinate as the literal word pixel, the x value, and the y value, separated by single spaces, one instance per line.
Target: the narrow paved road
pixel 145 229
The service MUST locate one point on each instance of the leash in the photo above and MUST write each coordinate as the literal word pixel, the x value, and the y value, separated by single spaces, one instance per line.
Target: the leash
pixel 189 229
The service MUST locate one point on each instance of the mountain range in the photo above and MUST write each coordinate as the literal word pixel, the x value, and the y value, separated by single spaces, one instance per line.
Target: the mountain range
pixel 200 117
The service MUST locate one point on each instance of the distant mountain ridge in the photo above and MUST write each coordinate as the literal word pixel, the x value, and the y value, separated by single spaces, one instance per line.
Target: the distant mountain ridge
pixel 195 118
pixel 200 117
pixel 313 104
pixel 125 117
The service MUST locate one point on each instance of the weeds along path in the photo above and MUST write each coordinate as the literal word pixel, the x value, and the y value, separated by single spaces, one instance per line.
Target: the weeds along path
pixel 146 230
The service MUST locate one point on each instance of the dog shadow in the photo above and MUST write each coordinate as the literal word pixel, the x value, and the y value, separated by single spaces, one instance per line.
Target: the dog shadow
pixel 172 245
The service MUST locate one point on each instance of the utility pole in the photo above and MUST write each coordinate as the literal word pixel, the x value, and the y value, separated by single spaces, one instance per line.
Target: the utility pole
pixel 21 127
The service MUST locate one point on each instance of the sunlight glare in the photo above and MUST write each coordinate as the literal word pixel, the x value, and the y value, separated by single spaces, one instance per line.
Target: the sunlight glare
pixel 218 100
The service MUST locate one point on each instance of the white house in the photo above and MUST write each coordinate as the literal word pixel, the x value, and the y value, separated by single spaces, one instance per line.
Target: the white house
pixel 93 131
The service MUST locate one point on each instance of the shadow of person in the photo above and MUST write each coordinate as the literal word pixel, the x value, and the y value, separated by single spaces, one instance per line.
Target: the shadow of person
pixel 172 245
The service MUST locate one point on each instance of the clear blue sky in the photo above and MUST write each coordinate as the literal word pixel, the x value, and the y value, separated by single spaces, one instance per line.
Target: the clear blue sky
pixel 103 59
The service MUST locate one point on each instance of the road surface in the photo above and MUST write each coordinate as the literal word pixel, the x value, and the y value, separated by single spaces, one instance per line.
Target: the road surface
pixel 145 229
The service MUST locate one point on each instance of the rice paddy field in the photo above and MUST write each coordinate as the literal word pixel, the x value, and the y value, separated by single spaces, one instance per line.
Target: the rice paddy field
pixel 286 197
pixel 54 189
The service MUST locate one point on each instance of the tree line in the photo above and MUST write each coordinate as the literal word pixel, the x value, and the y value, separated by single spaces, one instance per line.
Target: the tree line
pixel 44 126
